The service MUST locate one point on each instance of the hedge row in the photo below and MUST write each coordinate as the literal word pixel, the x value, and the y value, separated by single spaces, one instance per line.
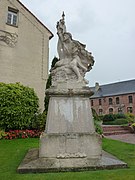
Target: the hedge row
pixel 117 119
pixel 116 122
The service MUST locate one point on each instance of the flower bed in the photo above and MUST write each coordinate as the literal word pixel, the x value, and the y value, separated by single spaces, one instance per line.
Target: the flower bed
pixel 15 134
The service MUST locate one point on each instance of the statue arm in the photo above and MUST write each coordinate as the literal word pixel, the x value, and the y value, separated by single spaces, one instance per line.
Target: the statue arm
pixel 60 32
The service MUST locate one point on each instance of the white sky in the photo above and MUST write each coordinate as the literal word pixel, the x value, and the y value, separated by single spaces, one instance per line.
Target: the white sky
pixel 107 27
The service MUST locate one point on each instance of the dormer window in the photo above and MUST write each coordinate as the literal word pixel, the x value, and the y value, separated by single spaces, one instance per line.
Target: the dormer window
pixel 12 16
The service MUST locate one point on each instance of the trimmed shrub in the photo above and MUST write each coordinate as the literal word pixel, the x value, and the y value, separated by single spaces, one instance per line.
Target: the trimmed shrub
pixel 18 105
pixel 116 119
pixel 116 122
pixel 119 116
pixel 108 117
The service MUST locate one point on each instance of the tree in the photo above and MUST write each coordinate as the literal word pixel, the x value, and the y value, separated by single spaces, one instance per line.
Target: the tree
pixel 49 83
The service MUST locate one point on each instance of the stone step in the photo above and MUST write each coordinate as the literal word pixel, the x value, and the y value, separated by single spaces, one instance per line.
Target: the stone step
pixel 115 129
pixel 116 132
pixel 111 128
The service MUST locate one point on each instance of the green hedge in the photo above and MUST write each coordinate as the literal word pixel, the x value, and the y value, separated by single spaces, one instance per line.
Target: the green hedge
pixel 112 117
pixel 120 116
pixel 108 117
pixel 116 122
pixel 118 119
pixel 18 106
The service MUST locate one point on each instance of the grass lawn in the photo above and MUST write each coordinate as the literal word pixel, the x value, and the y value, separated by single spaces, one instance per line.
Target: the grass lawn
pixel 13 151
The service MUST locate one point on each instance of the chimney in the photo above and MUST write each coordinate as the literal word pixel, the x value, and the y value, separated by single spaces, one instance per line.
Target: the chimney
pixel 97 87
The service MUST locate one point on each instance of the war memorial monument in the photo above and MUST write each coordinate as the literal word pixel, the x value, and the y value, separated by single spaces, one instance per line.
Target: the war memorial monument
pixel 69 142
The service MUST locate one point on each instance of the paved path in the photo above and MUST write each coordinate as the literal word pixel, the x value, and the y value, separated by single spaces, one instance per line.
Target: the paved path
pixel 129 138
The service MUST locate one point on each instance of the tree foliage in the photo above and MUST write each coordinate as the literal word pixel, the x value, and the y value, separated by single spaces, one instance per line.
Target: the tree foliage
pixel 49 83
pixel 18 106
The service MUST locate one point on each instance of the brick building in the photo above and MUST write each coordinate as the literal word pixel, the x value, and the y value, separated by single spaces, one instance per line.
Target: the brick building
pixel 24 47
pixel 114 98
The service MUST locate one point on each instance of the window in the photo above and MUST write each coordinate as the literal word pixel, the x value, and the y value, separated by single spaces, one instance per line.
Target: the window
pixel 92 103
pixel 100 111
pixel 117 100
pixel 129 109
pixel 110 101
pixel 12 16
pixel 100 102
pixel 119 110
pixel 130 99
pixel 110 110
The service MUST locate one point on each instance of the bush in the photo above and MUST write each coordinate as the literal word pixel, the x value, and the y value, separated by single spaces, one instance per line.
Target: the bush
pixel 18 105
pixel 119 116
pixel 2 134
pixel 101 117
pixel 97 122
pixel 108 117
pixel 130 117
pixel 116 119
pixel 116 122
pixel 133 127
pixel 39 121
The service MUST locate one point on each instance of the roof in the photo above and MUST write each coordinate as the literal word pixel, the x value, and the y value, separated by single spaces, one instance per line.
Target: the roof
pixel 36 18
pixel 119 88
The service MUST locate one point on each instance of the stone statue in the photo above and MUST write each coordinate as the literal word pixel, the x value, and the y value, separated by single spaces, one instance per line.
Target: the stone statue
pixel 74 61
pixel 69 142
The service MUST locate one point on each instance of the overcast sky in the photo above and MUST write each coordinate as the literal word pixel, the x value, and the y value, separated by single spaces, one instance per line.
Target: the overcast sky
pixel 107 27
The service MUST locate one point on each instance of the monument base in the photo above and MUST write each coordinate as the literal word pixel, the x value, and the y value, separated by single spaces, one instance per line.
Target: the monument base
pixel 69 142
pixel 71 146
pixel 33 164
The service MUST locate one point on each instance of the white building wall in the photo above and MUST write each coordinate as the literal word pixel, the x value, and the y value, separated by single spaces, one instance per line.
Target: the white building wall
pixel 27 61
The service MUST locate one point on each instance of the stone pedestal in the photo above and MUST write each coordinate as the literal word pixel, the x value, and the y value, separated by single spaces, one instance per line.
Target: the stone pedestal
pixel 70 137
pixel 69 142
